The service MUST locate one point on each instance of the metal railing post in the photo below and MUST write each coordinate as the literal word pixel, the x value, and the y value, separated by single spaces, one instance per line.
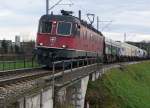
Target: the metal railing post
pixel 24 62
pixel 83 62
pixel 87 61
pixel 9 65
pixel 32 62
pixel 63 70
pixel 15 63
pixel 3 63
pixel 78 63
pixel 53 82
pixel 71 64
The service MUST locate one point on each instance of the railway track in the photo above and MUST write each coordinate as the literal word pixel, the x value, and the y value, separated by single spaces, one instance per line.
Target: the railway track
pixel 18 71
pixel 14 84
pixel 12 77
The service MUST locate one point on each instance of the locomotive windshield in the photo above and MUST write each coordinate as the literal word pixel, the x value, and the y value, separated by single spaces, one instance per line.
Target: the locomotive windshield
pixel 64 28
pixel 45 27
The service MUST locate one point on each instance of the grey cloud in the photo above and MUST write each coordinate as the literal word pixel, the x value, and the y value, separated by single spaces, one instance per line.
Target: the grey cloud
pixel 25 13
pixel 121 28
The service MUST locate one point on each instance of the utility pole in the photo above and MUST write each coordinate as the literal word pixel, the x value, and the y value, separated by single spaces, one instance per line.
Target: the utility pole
pixel 47 7
pixel 125 37
pixel 97 23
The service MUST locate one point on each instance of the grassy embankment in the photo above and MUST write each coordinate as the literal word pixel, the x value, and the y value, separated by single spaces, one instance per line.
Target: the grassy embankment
pixel 122 88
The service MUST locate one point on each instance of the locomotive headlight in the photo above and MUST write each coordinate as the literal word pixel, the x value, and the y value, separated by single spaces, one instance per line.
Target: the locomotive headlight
pixel 41 44
pixel 64 46
pixel 54 22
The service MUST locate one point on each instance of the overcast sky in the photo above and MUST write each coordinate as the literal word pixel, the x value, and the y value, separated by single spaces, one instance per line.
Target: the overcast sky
pixel 20 17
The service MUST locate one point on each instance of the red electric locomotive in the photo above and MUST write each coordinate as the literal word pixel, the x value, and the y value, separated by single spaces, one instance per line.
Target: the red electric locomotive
pixel 62 37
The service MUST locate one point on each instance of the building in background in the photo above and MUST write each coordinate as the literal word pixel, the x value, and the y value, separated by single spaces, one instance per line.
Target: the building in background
pixel 17 47
pixel 17 41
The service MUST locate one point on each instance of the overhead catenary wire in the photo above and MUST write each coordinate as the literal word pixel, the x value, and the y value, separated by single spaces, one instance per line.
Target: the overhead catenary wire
pixel 55 4
pixel 48 8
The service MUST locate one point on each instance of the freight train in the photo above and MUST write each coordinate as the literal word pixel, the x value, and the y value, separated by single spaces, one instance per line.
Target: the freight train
pixel 63 37
pixel 119 51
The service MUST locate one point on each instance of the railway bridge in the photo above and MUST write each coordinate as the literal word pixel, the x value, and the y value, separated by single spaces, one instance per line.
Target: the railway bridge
pixel 55 88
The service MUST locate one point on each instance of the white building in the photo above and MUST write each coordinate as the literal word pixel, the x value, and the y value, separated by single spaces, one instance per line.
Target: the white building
pixel 17 40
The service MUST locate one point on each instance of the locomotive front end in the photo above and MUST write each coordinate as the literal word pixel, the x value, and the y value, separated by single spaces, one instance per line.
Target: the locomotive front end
pixel 54 38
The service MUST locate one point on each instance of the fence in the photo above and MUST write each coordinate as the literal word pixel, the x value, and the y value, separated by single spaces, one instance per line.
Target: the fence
pixel 13 62
pixel 75 63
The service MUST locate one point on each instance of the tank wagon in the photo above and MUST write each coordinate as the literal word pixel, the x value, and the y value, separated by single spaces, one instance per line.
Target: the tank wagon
pixel 120 51
pixel 111 50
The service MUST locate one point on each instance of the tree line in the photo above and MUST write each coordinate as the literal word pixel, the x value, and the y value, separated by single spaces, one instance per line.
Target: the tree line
pixel 8 47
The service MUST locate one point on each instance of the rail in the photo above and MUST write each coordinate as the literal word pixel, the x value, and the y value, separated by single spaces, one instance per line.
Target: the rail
pixel 18 71
pixel 10 77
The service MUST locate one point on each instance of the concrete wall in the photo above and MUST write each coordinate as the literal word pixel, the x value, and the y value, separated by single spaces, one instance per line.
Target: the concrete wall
pixel 79 92
pixel 73 95
pixel 42 99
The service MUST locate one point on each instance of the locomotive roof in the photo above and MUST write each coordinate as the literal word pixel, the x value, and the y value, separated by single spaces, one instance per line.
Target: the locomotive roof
pixel 60 18
pixel 70 18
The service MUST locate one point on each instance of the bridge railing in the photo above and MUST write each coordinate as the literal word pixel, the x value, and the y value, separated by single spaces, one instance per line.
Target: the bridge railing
pixel 84 66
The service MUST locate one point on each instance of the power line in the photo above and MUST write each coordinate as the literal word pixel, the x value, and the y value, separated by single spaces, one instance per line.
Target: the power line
pixel 48 8
pixel 55 4
pixel 106 26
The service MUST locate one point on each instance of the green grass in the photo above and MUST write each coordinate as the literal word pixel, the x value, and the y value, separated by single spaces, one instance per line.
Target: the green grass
pixel 122 88
pixel 18 65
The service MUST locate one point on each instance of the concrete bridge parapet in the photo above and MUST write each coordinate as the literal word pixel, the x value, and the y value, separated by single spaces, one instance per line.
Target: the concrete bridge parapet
pixel 78 97
pixel 73 95
pixel 41 99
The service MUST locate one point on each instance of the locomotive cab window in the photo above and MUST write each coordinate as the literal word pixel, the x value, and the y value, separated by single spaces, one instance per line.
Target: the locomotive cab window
pixel 77 29
pixel 64 28
pixel 45 27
